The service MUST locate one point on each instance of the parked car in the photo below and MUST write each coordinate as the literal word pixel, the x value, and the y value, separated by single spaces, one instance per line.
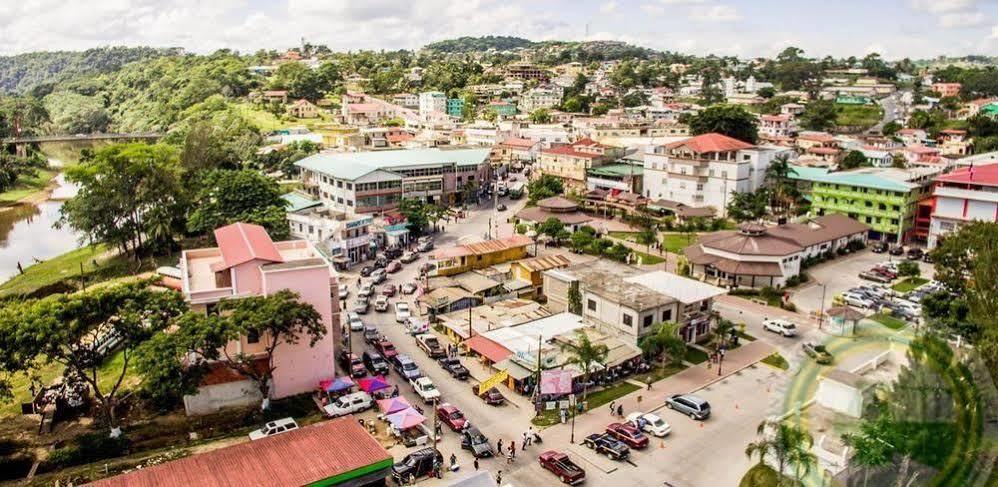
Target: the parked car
pixel 818 352
pixel 380 263
pixel 857 300
pixel 386 349
pixel 366 271
pixel 354 322
pixel 425 244
pixel 915 253
pixel 393 267
pixel 422 385
pixel 375 362
pixel 417 464
pixel 416 326
pixel 781 326
pixel 409 257
pixel 274 427
pixel 353 364
pixel 366 290
pixel 393 253
pixel 607 445
pixel 429 344
pixel 402 312
pixel 474 441
pixel 409 287
pixel 491 397
pixel 405 367
pixel 690 405
pixel 879 247
pixel 379 276
pixel 381 303
pixel 874 276
pixel 371 335
pixel 886 272
pixel 344 291
pixel 563 467
pixel 896 250
pixel 454 367
pixel 501 207
pixel 451 416
pixel 349 404
pixel 360 306
pixel 649 423
pixel 629 434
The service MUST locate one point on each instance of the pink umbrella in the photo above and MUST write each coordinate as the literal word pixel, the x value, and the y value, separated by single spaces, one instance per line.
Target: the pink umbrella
pixel 393 405
pixel 372 384
pixel 406 418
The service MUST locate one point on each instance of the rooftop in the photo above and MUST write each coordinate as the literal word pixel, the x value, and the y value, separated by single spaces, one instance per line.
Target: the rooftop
pixel 712 142
pixel 887 178
pixel 544 262
pixel 298 201
pixel 985 175
pixel 480 248
pixel 352 165
pixel 685 290
pixel 618 170
pixel 500 314
pixel 779 240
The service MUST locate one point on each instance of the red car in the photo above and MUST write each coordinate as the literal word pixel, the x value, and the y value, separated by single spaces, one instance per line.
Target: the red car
pixel 393 267
pixel 452 417
pixel 628 434
pixel 353 364
pixel 387 349
pixel 389 290
pixel 562 466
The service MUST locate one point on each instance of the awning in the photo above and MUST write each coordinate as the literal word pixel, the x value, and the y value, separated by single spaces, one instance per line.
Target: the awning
pixel 406 418
pixel 514 369
pixel 393 405
pixel 488 348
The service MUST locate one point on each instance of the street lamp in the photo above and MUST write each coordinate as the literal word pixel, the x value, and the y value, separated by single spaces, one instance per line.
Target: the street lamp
pixel 573 403
pixel 720 360
pixel 821 311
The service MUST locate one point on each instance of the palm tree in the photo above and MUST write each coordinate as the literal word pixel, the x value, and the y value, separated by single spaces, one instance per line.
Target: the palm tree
pixel 783 194
pixel 789 443
pixel 585 354
pixel 723 331
pixel 664 340
pixel 647 237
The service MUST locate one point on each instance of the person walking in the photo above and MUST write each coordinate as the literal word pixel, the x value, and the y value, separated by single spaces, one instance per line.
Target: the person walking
pixel 509 457
pixel 476 464
pixel 512 447
pixel 525 441
pixel 499 478
pixel 453 461
pixel 620 410
pixel 499 446
pixel 612 407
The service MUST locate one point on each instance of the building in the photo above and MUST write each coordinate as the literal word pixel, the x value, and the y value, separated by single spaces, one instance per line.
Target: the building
pixel 518 151
pixel 947 90
pixel 954 143
pixel 571 162
pixel 368 182
pixel 616 178
pixel 540 97
pixel 467 257
pixel 776 125
pixel 967 194
pixel 705 170
pixel 502 108
pixel 758 256
pixel 491 316
pixel 248 263
pixel 627 302
pixel 531 271
pixel 350 456
pixel 432 102
pixel 525 71
pixel 408 100
pixel 882 198
pixel 558 207
pixel 911 136
pixel 345 237
pixel 303 109
pixel 455 107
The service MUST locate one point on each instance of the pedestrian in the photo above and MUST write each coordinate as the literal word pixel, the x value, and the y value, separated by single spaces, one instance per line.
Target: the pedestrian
pixel 476 464
pixel 499 478
pixel 620 411
pixel 509 457
pixel 499 446
pixel 512 447
pixel 525 442
pixel 649 385
pixel 612 407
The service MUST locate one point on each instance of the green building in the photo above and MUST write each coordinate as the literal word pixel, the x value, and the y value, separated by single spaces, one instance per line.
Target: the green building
pixel 623 177
pixel 885 199
pixel 853 100
pixel 455 107
pixel 503 108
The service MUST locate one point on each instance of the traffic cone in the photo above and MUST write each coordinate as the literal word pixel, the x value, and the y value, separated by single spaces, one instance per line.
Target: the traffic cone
pixel 701 425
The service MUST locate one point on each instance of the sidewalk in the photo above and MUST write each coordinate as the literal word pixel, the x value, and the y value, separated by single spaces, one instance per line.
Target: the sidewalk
pixel 761 309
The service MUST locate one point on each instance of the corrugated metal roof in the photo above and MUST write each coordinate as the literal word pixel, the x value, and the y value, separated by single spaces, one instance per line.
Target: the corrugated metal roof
pixel 243 242
pixel 352 165
pixel 297 201
pixel 544 262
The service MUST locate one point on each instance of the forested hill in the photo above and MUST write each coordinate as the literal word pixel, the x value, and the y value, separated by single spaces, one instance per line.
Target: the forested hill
pixel 470 44
pixel 24 72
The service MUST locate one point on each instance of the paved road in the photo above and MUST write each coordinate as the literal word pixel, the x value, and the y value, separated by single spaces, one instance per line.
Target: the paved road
pixel 890 107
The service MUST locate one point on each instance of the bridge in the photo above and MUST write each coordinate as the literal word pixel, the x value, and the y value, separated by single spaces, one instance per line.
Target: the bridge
pixel 79 137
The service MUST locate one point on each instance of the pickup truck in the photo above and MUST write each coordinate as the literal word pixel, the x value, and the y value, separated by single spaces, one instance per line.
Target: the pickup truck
pixel 381 304
pixel 454 367
pixel 429 344
pixel 607 445
pixel 562 466
pixel 425 389
pixel 491 397
pixel 818 352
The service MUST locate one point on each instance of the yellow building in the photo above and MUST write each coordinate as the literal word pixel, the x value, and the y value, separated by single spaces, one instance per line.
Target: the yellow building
pixel 463 258
pixel 570 162
pixel 532 270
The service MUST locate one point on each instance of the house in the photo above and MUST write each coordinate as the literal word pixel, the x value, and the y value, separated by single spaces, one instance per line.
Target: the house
pixel 303 109
pixel 705 170
pixel 878 158
pixel 776 125
pixel 571 162
pixel 247 262
pixel 345 237
pixel 792 109
pixel 947 90
pixel 910 136
pixel 490 316
pixel 455 107
pixel 921 155
pixel 954 143
pixel 616 178
pixel 408 100
pixel 466 257
pixel 432 102
pixel 270 96
pixel 524 71
pixel 350 457
pixel 518 150
pixel 502 108
pixel 626 301
pixel 540 97
pixel 531 271
pixel 558 207
pixel 967 194
pixel 882 198
pixel 757 256
pixel 374 181
pixel 807 140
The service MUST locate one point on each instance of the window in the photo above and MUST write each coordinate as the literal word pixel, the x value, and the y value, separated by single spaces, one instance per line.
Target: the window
pixel 628 320
pixel 253 336
pixel 667 315
pixel 591 305
pixel 647 321
pixel 339 184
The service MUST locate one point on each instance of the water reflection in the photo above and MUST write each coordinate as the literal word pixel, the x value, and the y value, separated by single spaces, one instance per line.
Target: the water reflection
pixel 27 234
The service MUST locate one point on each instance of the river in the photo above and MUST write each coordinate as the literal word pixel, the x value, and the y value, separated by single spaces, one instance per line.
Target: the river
pixel 28 234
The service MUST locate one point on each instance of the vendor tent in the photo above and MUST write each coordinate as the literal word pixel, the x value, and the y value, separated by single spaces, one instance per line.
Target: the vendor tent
pixel 336 385
pixel 373 384
pixel 406 418
pixel 393 405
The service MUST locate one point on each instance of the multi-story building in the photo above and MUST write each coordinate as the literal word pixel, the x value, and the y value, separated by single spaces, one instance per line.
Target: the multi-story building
pixel 468 257
pixel 776 125
pixel 432 102
pixel 455 107
pixel 967 194
pixel 408 100
pixel 525 71
pixel 345 237
pixel 571 162
pixel 245 263
pixel 946 90
pixel 884 199
pixel 616 178
pixel 705 170
pixel 368 182
pixel 540 97
pixel 954 142
pixel 502 108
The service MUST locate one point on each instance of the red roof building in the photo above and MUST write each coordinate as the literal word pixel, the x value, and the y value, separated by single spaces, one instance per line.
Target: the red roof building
pixel 965 195
pixel 711 143
pixel 243 242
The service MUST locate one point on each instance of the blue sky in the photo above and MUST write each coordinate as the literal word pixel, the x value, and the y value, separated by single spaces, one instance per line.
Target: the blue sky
pixel 894 28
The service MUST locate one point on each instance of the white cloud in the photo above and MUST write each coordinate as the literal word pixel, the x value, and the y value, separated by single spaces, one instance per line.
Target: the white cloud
pixel 682 2
pixel 961 19
pixel 715 13
pixel 994 32
pixel 608 7
pixel 652 9
pixel 942 6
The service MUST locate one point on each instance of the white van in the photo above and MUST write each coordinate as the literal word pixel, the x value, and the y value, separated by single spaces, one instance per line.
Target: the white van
pixel 349 404
pixel 274 427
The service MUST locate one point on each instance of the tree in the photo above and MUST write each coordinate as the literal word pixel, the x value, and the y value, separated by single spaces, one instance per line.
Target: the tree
pixel 664 340
pixel 647 237
pixel 574 298
pixel 213 134
pixel 819 115
pixel 853 160
pixel 275 320
pixel 766 92
pixel 13 167
pixel 747 206
pixel 582 239
pixel 226 197
pixel 731 120
pixel 789 443
pixel 600 109
pixel 552 227
pixel 541 115
pixel 891 128
pixel 543 187
pixel 81 332
pixel 585 354
pixel 873 444
pixel 783 193
pixel 73 113
pixel 119 187
pixel 909 269
pixel 414 211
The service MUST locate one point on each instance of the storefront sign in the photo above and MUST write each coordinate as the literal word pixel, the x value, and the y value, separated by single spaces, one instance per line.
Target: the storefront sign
pixel 493 381
pixel 360 223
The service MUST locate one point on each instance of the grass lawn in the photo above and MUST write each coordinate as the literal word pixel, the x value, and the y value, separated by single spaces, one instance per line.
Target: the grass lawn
pixel 676 242
pixel 629 236
pixel 889 321
pixel 594 401
pixel 745 336
pixel 26 186
pixel 776 360
pixel 648 259
pixel 108 373
pixel 762 475
pixel 696 355
pixel 858 115
pixel 659 373
pixel 909 284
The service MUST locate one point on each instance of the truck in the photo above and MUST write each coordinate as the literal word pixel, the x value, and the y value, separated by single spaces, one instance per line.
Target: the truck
pixel 454 367
pixel 563 467
pixel 605 444
pixel 429 344
pixel 424 387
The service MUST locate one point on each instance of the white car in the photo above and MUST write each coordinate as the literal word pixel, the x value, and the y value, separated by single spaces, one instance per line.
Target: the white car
pixel 425 389
pixel 402 313
pixel 415 326
pixel 776 325
pixel 349 404
pixel 381 303
pixel 344 292
pixel 408 288
pixel 353 319
pixel 853 299
pixel 649 423
pixel 366 290
pixel 274 427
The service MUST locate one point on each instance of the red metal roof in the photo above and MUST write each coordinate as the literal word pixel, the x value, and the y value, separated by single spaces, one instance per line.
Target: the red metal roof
pixel 712 142
pixel 488 348
pixel 243 242
pixel 299 457
pixel 986 175
pixel 519 142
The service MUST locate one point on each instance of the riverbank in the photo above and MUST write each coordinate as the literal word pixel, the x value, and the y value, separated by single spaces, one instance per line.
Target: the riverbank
pixel 32 190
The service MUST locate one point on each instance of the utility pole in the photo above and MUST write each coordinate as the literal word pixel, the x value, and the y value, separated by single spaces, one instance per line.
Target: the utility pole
pixel 471 331
pixel 821 311
pixel 436 438
pixel 573 404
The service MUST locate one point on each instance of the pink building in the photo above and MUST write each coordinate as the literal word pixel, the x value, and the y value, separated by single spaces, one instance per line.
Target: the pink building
pixel 248 263
pixel 946 90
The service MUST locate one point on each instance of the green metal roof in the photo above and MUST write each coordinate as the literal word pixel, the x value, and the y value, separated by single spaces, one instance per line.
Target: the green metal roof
pixel 352 165
pixel 618 170
pixel 867 177
pixel 297 201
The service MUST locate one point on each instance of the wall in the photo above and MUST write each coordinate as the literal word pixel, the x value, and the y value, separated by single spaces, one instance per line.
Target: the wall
pixel 211 399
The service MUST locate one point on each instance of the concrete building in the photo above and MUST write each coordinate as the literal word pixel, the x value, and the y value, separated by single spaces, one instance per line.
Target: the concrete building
pixel 776 125
pixel 947 90
pixel 965 195
pixel 558 207
pixel 540 97
pixel 455 107
pixel 345 237
pixel 467 257
pixel 432 102
pixel 570 163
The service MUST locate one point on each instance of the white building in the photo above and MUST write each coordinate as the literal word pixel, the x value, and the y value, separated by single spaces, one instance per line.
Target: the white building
pixel 432 102
pixel 776 125
pixel 540 97
pixel 967 194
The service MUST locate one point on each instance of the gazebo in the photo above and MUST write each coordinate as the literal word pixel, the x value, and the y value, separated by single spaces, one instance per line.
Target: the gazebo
pixel 841 314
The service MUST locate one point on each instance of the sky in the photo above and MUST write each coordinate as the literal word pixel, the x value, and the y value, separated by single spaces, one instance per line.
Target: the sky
pixel 745 28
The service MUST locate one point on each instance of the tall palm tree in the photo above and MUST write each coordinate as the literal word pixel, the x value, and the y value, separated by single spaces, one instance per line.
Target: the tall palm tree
pixel 665 340
pixel 723 331
pixel 783 194
pixel 789 443
pixel 585 354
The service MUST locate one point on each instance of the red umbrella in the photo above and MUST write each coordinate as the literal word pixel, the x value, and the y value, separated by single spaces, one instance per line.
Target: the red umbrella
pixel 372 384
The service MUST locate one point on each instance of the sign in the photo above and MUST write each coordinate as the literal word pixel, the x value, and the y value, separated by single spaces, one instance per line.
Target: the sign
pixel 400 227
pixel 360 223
pixel 563 404
pixel 358 241
pixel 493 381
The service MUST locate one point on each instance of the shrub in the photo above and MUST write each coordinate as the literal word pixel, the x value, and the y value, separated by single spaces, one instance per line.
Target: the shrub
pixel 521 228
pixel 87 448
